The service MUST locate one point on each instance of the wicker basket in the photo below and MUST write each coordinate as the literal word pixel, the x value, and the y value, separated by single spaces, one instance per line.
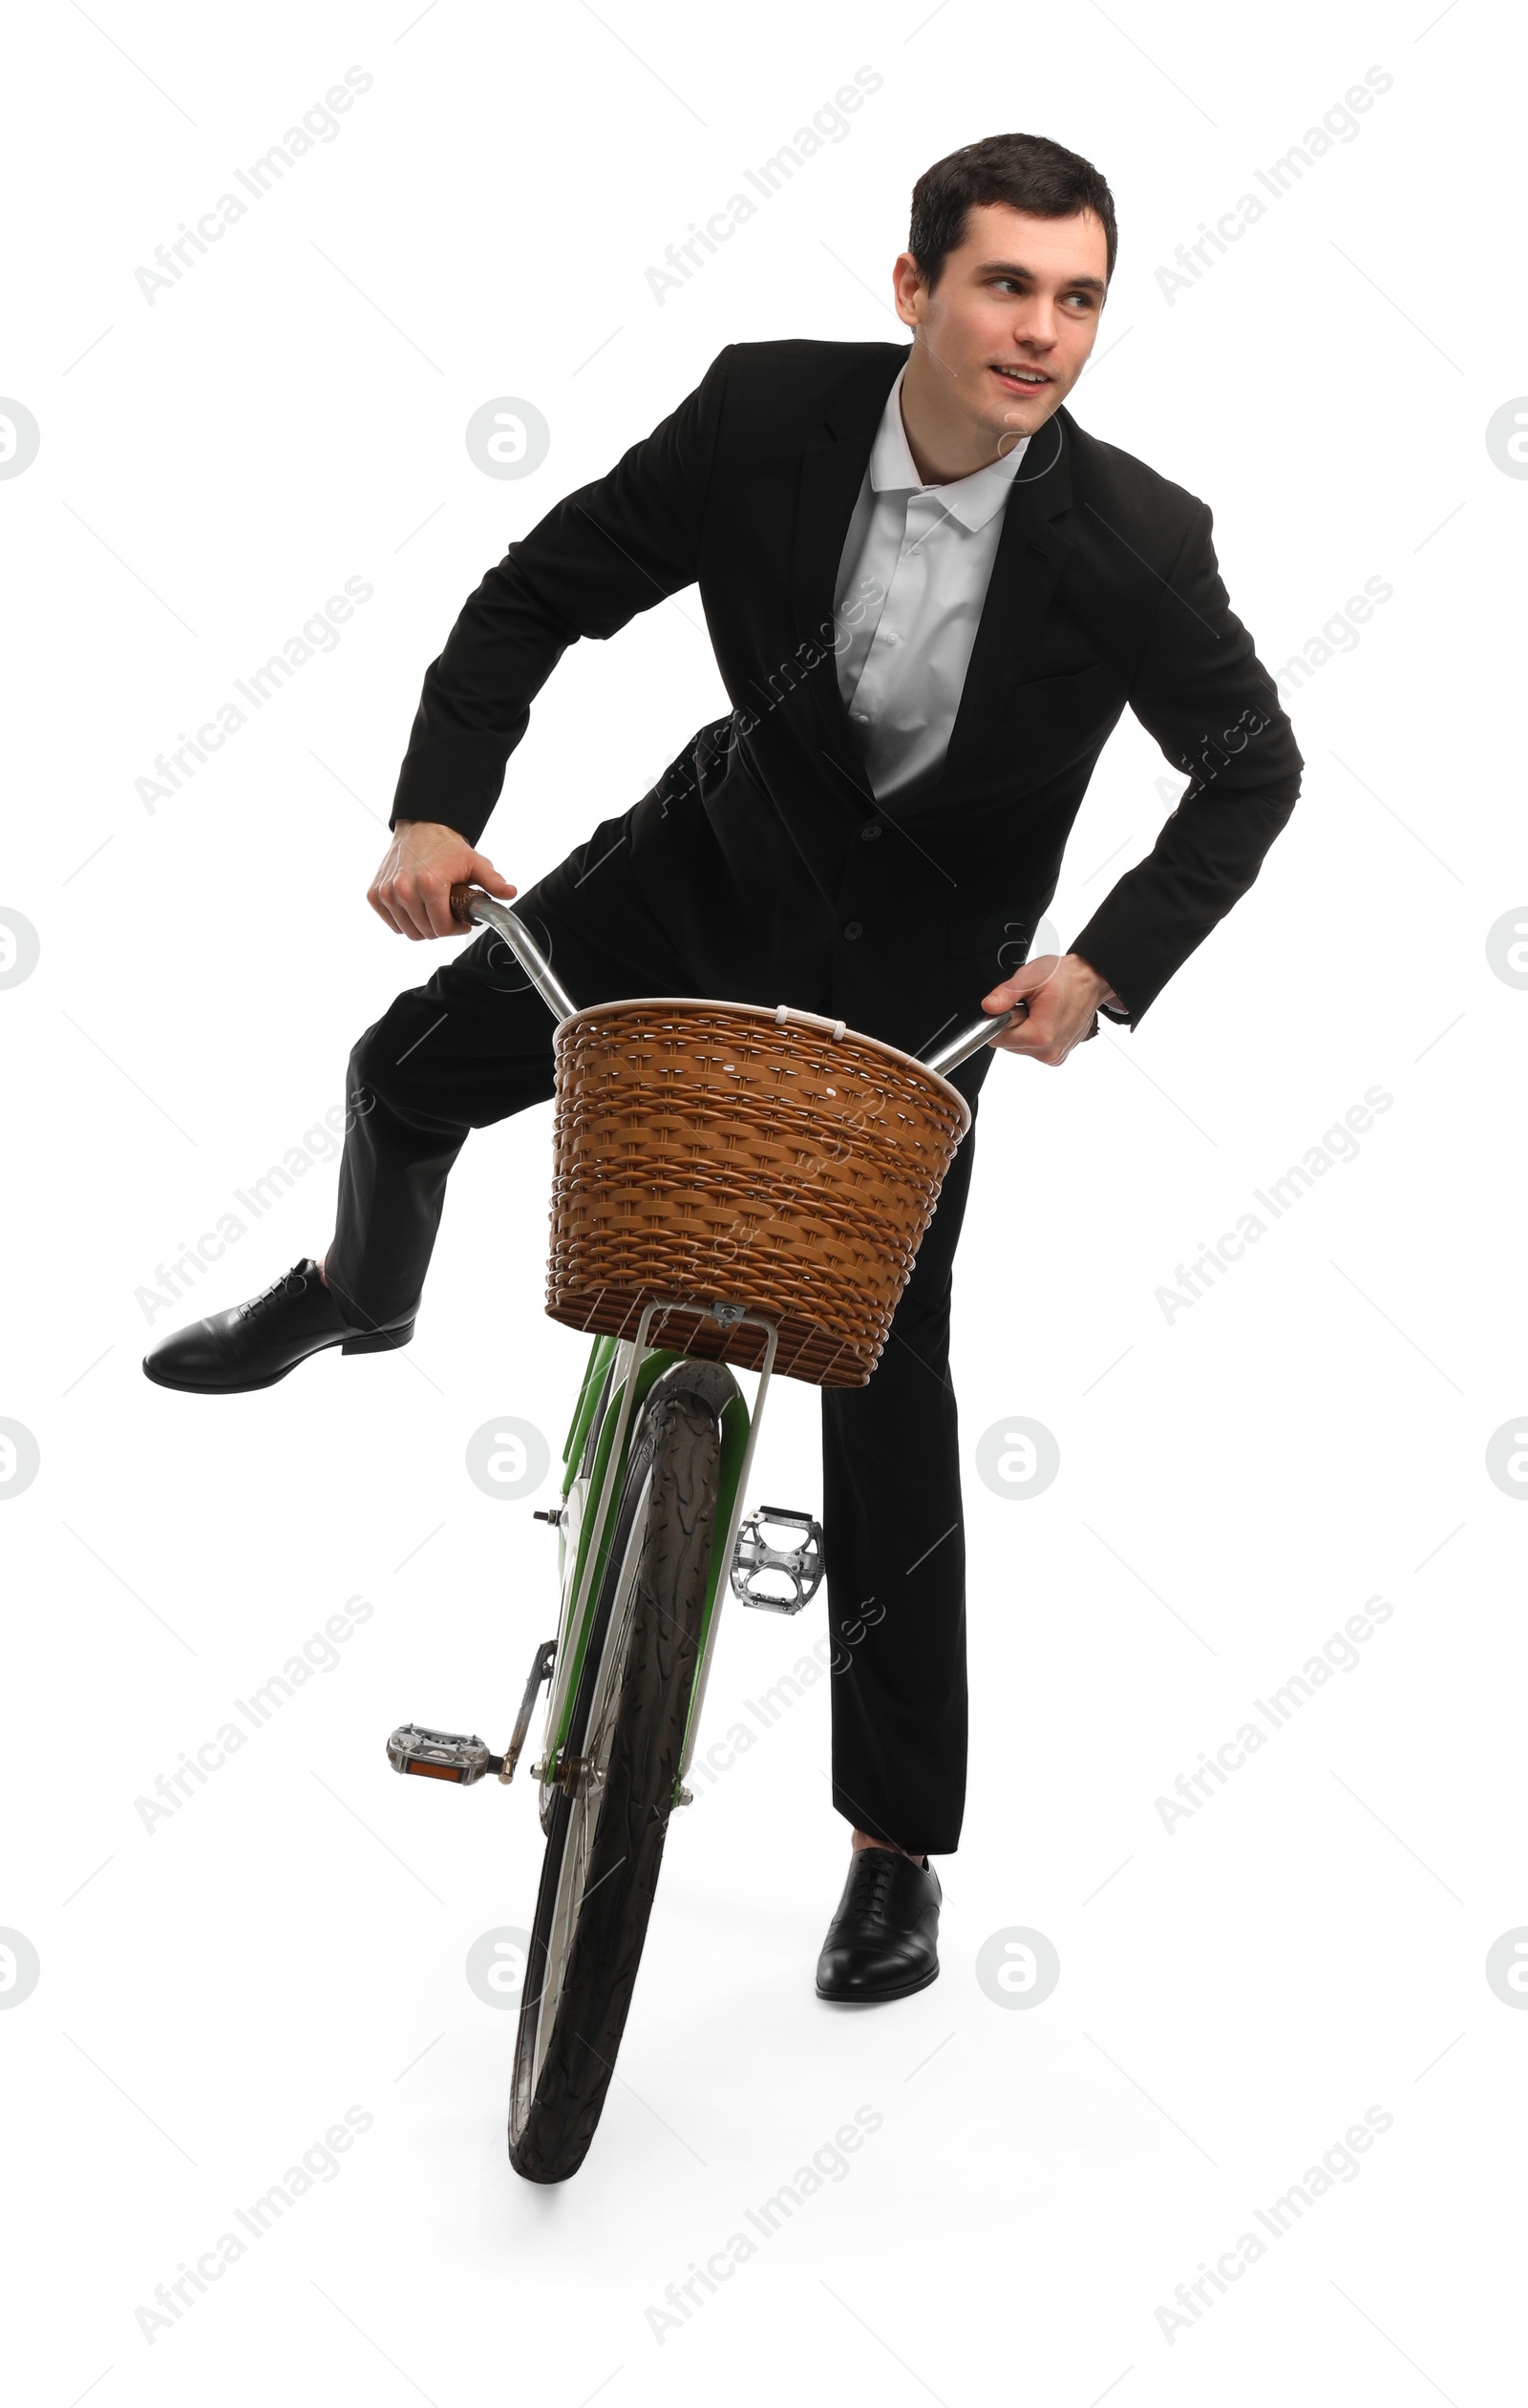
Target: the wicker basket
pixel 726 1153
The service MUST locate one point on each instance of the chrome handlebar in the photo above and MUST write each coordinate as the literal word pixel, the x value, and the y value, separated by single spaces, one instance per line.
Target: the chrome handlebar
pixel 469 904
pixel 472 906
pixel 969 1040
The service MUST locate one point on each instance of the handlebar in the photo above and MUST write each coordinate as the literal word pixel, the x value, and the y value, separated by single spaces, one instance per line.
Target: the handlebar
pixel 470 905
pixel 970 1039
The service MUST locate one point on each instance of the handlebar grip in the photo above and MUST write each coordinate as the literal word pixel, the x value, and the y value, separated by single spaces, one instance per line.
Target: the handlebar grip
pixel 460 908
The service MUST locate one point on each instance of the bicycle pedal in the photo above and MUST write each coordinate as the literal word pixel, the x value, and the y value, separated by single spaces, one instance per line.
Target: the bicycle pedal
pixel 459 1756
pixel 756 1561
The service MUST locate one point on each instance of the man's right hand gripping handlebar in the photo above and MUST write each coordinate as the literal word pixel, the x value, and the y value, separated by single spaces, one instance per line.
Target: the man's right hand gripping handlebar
pixel 412 889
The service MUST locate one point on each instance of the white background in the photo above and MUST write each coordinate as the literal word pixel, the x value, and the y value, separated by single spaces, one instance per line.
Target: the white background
pixel 1234 1482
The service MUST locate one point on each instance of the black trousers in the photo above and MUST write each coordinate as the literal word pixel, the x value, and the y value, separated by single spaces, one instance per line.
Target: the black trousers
pixel 473 1045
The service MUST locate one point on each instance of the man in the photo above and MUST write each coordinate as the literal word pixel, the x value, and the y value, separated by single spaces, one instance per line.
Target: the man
pixel 932 594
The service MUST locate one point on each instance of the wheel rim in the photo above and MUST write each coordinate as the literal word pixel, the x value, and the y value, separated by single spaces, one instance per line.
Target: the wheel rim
pixel 584 1804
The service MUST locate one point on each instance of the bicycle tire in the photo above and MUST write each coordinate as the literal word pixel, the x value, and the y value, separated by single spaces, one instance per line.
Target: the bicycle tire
pixel 587 1938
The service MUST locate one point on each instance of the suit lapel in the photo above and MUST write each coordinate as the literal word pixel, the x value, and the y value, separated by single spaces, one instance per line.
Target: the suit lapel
pixel 1030 556
pixel 832 467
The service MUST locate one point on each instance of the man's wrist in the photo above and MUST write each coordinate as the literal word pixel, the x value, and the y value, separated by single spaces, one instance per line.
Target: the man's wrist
pixel 1106 994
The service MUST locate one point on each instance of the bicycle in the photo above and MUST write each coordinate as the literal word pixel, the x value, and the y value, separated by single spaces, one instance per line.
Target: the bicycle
pixel 665 1151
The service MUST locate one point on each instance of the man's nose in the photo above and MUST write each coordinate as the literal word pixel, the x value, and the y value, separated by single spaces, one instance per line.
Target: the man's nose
pixel 1036 329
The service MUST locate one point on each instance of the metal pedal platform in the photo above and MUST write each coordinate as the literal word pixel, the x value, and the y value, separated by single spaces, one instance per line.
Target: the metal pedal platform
pixel 459 1756
pixel 755 1562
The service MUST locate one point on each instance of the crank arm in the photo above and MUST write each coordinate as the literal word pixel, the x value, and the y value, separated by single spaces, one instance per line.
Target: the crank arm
pixel 540 1670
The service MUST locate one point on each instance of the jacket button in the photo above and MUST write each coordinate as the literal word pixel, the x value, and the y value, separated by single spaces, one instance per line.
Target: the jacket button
pixel 868 834
pixel 851 928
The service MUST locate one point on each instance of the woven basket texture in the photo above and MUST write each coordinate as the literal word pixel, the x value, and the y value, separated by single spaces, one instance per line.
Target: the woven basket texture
pixel 714 1152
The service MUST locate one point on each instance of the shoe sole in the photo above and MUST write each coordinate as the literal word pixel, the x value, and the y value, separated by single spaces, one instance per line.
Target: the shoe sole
pixel 376 1342
pixel 875 1997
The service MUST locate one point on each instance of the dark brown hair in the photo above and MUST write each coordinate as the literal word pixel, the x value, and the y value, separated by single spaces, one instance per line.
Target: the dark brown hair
pixel 1026 171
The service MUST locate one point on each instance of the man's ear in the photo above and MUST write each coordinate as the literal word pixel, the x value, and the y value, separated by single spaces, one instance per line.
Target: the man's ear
pixel 907 286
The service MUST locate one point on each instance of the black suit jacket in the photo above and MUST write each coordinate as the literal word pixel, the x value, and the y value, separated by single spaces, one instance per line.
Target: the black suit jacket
pixel 761 851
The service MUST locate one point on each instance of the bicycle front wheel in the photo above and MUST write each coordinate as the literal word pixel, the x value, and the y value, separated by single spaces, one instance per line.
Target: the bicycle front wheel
pixel 610 1811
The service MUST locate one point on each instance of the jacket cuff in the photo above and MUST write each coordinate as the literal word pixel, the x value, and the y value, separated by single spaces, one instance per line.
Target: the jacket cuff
pixel 454 785
pixel 1108 1002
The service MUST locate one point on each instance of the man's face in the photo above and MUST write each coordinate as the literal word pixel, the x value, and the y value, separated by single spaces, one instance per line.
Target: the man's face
pixel 1009 325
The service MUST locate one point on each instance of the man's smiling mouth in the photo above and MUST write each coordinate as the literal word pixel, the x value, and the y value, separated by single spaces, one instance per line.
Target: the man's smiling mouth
pixel 1028 379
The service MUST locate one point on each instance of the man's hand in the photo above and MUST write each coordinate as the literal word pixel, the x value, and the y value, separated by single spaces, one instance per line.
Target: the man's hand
pixel 1063 993
pixel 412 890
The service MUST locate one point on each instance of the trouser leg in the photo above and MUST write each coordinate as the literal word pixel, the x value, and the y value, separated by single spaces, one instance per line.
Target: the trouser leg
pixel 445 1058
pixel 469 1047
pixel 893 1546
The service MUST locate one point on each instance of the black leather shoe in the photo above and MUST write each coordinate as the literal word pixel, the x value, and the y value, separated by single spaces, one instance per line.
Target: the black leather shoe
pixel 884 1942
pixel 257 1344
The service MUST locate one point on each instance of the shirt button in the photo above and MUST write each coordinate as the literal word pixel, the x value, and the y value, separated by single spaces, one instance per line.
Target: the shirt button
pixel 868 836
pixel 851 928
pixel 860 718
pixel 892 638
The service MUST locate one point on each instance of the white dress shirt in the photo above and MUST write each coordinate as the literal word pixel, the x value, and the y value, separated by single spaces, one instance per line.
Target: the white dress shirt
pixel 920 558
pixel 924 554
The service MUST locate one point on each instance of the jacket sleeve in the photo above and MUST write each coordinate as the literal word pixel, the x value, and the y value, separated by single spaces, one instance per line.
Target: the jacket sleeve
pixel 1199 689
pixel 609 550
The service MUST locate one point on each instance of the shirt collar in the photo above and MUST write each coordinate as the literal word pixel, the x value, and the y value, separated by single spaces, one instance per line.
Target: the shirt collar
pixel 971 499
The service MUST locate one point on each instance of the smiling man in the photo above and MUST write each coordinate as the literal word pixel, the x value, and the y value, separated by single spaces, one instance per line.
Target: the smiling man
pixel 932 595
